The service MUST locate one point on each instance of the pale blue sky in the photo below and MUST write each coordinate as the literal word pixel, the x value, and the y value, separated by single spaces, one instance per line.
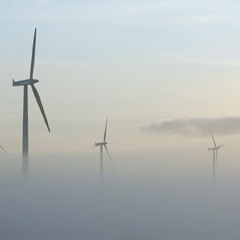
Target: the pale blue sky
pixel 136 61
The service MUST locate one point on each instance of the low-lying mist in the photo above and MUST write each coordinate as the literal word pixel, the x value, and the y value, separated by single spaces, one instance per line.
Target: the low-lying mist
pixel 167 196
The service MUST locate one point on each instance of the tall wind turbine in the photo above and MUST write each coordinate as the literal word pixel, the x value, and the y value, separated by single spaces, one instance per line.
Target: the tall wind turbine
pixel 25 83
pixel 215 152
pixel 101 145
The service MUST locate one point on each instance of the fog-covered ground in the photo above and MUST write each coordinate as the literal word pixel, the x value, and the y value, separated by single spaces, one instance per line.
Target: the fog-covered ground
pixel 159 196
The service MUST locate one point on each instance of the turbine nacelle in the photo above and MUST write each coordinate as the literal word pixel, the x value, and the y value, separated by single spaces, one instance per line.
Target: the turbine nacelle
pixel 212 149
pixel 215 148
pixel 100 144
pixel 24 82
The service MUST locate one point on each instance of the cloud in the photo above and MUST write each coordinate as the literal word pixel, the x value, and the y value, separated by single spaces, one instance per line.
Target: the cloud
pixel 197 126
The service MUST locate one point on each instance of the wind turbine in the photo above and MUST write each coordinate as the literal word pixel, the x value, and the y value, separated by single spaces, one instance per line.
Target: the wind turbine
pixel 101 145
pixel 25 83
pixel 215 152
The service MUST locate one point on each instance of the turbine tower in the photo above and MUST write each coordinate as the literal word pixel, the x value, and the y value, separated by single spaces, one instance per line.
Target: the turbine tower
pixel 101 145
pixel 25 83
pixel 215 153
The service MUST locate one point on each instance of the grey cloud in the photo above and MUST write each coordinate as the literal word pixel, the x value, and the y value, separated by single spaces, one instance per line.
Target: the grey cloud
pixel 197 126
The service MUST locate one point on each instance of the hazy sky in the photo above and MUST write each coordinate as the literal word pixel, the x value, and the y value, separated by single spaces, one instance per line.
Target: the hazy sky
pixel 137 62
pixel 165 73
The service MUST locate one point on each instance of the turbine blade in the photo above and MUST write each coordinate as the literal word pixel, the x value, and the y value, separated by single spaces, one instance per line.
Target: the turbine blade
pixel 105 132
pixel 213 140
pixel 109 156
pixel 35 92
pixel 33 54
pixel 220 146
pixel 2 148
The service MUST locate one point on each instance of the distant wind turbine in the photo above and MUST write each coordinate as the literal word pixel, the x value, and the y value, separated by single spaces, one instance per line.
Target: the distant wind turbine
pixel 31 81
pixel 101 145
pixel 215 152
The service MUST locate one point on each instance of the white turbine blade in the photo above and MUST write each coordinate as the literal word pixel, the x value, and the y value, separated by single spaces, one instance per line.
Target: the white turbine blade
pixel 105 132
pixel 35 92
pixel 109 156
pixel 33 54
pixel 214 140
pixel 220 146
pixel 2 148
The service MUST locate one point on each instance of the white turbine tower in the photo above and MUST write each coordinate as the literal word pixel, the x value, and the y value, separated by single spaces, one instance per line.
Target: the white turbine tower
pixel 215 152
pixel 31 81
pixel 101 145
